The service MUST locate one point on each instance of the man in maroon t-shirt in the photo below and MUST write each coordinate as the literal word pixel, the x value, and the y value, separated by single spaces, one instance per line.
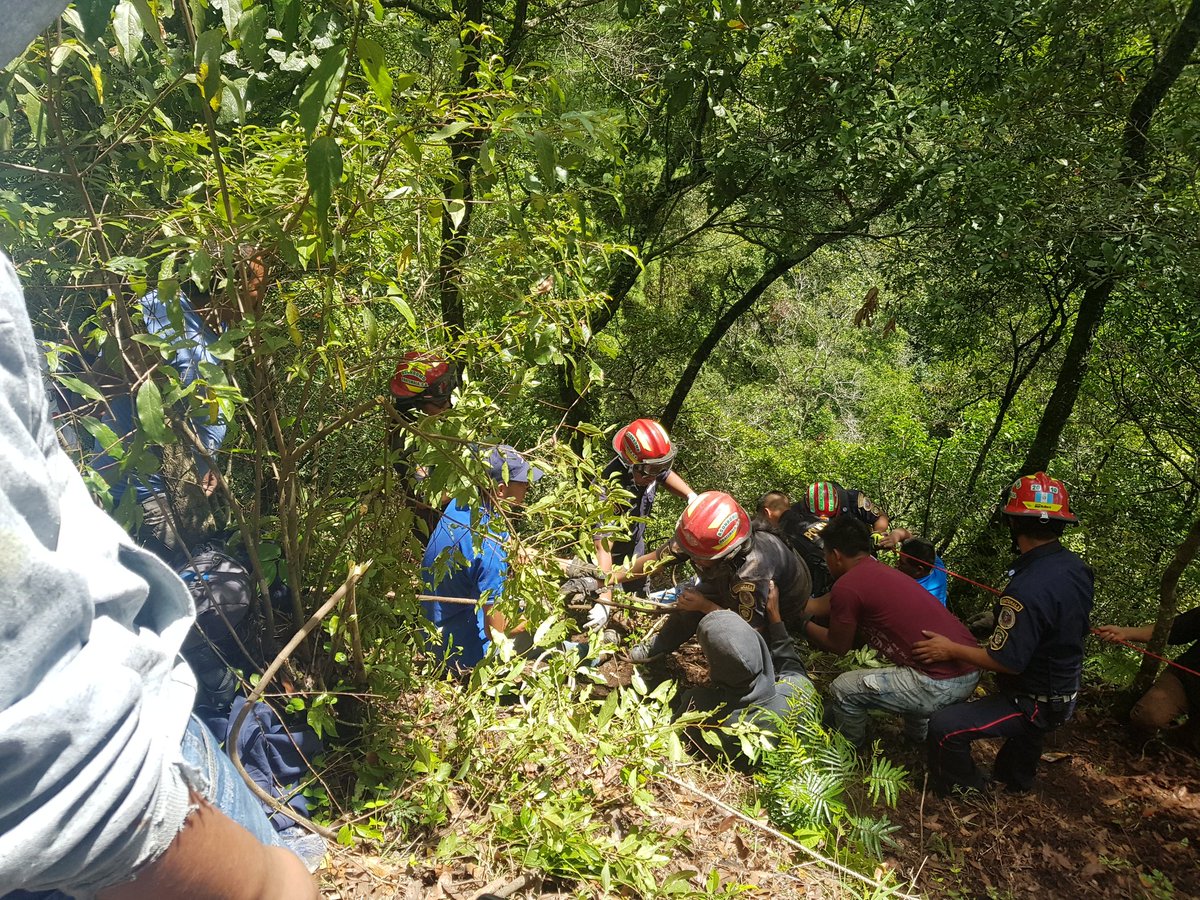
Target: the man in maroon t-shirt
pixel 873 603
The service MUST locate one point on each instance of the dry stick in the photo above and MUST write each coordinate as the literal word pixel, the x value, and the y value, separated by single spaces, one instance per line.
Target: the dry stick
pixel 504 887
pixel 921 812
pixel 256 694
pixel 791 842
pixel 356 647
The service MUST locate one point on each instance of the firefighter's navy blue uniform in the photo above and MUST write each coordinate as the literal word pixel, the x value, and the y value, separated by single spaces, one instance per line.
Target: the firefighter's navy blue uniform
pixel 1042 619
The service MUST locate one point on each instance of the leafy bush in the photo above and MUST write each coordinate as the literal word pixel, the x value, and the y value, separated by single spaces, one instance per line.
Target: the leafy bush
pixel 803 785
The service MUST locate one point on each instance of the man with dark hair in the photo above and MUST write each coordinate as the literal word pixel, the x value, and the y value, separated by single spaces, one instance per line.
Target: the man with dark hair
pixel 1036 648
pixel 887 610
pixel 467 558
pixel 770 508
pixel 920 561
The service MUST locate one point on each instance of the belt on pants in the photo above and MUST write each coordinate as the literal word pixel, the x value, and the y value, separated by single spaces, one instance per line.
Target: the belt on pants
pixel 1054 698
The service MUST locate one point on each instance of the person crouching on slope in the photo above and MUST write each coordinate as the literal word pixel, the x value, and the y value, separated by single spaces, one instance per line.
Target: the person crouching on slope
pixel 888 611
pixel 1036 648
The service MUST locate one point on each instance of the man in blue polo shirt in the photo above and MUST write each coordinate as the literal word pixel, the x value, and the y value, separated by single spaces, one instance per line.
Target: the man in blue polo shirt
pixel 188 328
pixel 466 559
pixel 1036 648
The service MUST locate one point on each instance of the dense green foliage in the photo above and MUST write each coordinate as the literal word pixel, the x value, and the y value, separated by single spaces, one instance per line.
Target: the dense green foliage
pixel 913 246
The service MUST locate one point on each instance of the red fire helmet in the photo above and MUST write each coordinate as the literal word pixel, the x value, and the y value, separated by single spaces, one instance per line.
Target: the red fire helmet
pixel 713 526
pixel 643 442
pixel 423 376
pixel 1040 496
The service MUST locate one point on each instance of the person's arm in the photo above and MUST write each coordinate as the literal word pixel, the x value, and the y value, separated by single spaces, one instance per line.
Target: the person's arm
pixel 691 600
pixel 780 644
pixel 604 562
pixel 838 638
pixel 677 486
pixel 490 581
pixel 641 566
pixel 213 856
pixel 818 607
pixel 939 648
pixel 1114 633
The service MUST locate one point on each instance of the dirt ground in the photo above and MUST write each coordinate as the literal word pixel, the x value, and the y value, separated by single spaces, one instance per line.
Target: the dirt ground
pixel 1110 817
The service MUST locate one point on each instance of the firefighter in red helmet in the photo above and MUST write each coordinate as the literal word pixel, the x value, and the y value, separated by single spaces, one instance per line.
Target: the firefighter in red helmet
pixel 1036 649
pixel 735 564
pixel 645 459
pixel 422 385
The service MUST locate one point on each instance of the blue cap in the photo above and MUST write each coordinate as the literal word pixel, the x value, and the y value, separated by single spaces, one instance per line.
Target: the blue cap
pixel 505 465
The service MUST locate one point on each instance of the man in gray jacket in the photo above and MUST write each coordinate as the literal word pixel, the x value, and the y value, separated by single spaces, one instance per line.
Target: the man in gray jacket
pixel 108 788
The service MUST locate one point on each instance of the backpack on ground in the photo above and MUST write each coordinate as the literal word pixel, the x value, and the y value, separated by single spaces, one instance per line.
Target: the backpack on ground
pixel 220 640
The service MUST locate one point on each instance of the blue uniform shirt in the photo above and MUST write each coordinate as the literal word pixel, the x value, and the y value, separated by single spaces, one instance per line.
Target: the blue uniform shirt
pixel 1041 621
pixel 472 574
pixel 935 581
pixel 185 356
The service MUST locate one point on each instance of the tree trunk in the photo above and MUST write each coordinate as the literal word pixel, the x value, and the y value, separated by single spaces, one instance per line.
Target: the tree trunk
pixel 1045 339
pixel 1167 603
pixel 700 355
pixel 1134 166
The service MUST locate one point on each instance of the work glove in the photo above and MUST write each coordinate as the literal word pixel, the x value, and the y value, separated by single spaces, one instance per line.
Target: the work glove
pixel 597 617
pixel 584 585
pixel 982 624
pixel 576 568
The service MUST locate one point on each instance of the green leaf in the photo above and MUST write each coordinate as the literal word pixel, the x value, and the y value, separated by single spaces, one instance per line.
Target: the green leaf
pixel 231 10
pixel 149 21
pixel 449 131
pixel 321 88
pixel 405 310
pixel 150 413
pixel 293 316
pixel 82 388
pixel 252 35
pixel 547 157
pixel 208 66
pixel 457 210
pixel 606 711
pixel 370 327
pixel 127 26
pixel 95 15
pixel 106 439
pixel 370 56
pixel 323 166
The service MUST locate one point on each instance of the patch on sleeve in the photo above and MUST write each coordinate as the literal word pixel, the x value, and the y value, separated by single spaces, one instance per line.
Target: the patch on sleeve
pixel 1007 618
pixel 743 594
pixel 865 504
pixel 999 639
pixel 1012 603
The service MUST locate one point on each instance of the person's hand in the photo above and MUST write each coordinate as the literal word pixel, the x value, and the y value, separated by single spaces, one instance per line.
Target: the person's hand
pixel 935 648
pixel 894 538
pixel 773 602
pixel 209 483
pixel 692 600
pixel 1112 633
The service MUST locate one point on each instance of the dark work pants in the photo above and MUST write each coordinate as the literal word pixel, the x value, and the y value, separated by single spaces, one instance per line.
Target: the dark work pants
pixel 1022 721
